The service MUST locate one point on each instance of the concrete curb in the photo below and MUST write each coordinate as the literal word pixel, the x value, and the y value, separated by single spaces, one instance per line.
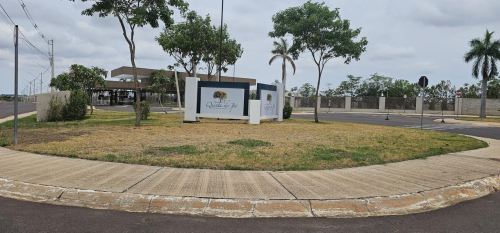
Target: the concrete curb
pixel 479 123
pixel 247 208
pixel 19 116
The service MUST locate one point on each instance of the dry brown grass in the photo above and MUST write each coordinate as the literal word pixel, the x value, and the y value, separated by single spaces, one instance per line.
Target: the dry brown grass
pixel 291 145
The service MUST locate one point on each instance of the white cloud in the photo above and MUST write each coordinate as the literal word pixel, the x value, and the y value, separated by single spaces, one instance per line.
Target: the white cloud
pixel 389 52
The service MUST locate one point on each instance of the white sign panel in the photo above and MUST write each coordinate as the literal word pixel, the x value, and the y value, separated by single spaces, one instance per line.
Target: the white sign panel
pixel 222 101
pixel 269 103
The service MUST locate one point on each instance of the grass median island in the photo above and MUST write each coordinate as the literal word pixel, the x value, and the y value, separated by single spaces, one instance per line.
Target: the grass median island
pixel 487 119
pixel 224 144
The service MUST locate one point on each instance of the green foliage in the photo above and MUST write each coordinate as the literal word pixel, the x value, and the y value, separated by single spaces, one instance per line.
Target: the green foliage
pixel 80 78
pixel 287 111
pixel 307 90
pixel 186 42
pixel 321 31
pixel 159 81
pixel 281 51
pixel 75 107
pixel 55 109
pixel 136 14
pixel 250 143
pixel 145 110
pixel 485 52
pixel 195 41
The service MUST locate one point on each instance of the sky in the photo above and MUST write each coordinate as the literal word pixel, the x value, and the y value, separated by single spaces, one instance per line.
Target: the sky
pixel 406 39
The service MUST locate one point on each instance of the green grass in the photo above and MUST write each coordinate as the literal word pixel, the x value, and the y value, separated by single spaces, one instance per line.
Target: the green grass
pixel 250 143
pixel 487 119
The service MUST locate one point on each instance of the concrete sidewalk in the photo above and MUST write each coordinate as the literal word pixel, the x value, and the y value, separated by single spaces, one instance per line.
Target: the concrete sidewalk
pixel 396 188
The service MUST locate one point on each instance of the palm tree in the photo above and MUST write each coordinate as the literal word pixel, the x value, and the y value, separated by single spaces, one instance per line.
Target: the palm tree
pixel 485 54
pixel 281 50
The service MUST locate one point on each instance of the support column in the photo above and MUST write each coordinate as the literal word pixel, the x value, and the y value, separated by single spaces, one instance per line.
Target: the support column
pixel 381 104
pixel 254 112
pixel 281 101
pixel 190 99
pixel 418 108
pixel 318 103
pixel 292 101
pixel 347 107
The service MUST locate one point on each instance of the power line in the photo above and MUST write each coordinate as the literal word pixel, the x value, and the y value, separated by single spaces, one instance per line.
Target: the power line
pixel 30 18
pixel 5 16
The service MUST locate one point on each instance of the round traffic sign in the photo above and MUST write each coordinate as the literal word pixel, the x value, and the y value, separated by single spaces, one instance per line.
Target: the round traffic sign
pixel 423 81
pixel 459 93
pixel 405 96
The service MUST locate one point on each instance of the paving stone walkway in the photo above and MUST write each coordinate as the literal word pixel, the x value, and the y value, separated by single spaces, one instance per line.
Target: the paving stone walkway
pixel 274 188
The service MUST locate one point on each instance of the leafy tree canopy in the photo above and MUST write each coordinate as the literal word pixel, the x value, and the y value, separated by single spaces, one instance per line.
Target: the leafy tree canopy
pixel 80 78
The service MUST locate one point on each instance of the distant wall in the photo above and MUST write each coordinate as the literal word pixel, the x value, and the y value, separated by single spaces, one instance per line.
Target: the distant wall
pixel 473 106
pixel 42 104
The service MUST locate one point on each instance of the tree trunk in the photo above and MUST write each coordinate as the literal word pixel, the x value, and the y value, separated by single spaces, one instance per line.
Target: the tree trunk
pixel 317 96
pixel 482 114
pixel 91 108
pixel 137 90
pixel 283 80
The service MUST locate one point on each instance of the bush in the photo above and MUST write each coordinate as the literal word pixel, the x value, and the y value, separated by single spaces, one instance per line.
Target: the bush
pixel 55 109
pixel 144 110
pixel 76 107
pixel 287 111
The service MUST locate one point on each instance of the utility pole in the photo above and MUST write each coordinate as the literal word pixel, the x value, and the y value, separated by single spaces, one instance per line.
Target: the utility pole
pixel 220 45
pixel 52 62
pixel 41 83
pixel 16 28
pixel 29 96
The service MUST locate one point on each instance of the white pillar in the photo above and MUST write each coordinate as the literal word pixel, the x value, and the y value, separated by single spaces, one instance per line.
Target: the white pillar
pixel 318 103
pixel 292 101
pixel 381 104
pixel 347 107
pixel 281 100
pixel 418 108
pixel 191 99
pixel 254 112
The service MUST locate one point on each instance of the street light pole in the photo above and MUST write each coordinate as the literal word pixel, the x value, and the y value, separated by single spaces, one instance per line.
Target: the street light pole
pixel 220 45
pixel 16 74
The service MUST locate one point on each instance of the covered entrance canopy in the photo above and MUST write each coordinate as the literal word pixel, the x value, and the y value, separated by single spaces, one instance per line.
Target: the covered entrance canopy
pixel 125 74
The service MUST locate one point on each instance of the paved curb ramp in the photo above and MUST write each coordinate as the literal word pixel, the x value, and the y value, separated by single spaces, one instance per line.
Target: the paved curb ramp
pixel 393 189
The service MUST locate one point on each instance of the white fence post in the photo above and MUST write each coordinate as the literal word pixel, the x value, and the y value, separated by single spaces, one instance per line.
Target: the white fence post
pixel 381 104
pixel 191 99
pixel 347 106
pixel 254 112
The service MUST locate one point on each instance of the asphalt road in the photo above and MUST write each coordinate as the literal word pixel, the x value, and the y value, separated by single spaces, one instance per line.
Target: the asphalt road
pixel 480 215
pixel 410 121
pixel 7 108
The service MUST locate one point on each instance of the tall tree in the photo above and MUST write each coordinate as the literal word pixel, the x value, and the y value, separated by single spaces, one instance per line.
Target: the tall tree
pixel 231 51
pixel 133 14
pixel 350 86
pixel 159 83
pixel 318 30
pixel 186 42
pixel 282 50
pixel 81 78
pixel 485 52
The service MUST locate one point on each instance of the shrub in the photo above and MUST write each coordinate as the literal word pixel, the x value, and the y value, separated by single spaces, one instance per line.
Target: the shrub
pixel 76 107
pixel 55 109
pixel 144 110
pixel 287 111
